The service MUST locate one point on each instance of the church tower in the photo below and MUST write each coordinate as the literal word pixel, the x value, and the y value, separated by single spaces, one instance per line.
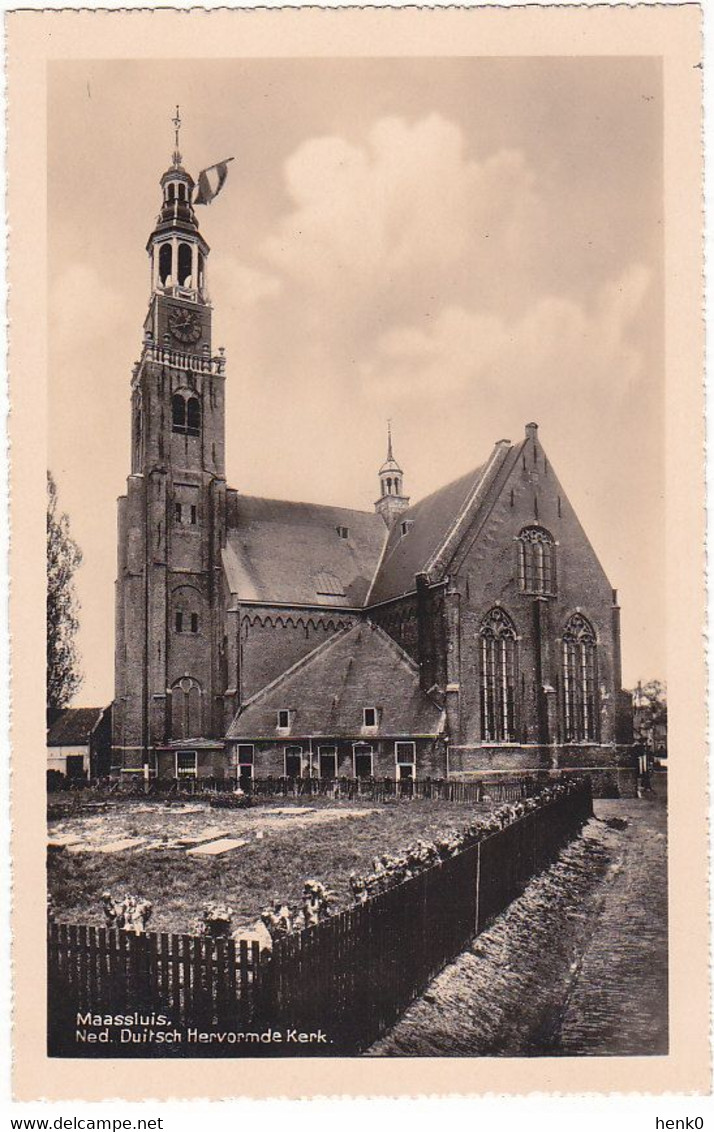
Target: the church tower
pixel 169 620
pixel 392 500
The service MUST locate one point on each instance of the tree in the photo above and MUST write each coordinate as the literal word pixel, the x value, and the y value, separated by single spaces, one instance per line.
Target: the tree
pixel 650 714
pixel 63 558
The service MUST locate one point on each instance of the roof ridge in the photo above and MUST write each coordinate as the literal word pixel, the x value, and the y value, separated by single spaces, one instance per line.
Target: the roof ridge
pixel 488 472
pixel 302 503
pixel 444 487
pixel 378 567
pixel 385 558
pixel 324 646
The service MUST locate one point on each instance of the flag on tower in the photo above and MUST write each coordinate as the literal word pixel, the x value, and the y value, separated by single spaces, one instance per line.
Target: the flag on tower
pixel 211 181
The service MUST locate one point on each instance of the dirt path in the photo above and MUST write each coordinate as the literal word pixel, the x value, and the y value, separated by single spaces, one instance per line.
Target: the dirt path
pixel 577 965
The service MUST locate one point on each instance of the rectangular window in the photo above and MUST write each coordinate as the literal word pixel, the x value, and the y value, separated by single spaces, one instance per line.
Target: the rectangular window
pixel 194 515
pixel 370 717
pixel 179 621
pixel 343 532
pixel 363 759
pixel 293 762
pixel 284 719
pixel 186 764
pixel 246 760
pixel 405 754
pixel 328 762
pixel 177 513
pixel 194 622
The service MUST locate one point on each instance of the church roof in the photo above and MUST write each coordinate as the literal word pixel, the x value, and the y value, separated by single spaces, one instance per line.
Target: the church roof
pixel 428 523
pixel 73 727
pixel 327 691
pixel 301 553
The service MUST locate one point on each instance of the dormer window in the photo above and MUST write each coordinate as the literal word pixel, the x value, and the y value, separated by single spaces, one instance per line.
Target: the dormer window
pixel 343 532
pixel 406 526
pixel 369 717
pixel 283 719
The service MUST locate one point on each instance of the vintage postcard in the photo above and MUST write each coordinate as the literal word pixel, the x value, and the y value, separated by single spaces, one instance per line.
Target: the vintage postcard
pixel 358 506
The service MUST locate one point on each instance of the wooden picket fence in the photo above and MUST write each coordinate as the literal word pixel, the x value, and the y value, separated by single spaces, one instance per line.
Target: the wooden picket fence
pixel 354 974
pixel 501 789
pixel 195 981
pixel 350 976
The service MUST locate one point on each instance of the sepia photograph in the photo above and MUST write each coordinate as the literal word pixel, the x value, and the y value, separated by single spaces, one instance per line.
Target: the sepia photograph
pixel 350 727
pixel 357 630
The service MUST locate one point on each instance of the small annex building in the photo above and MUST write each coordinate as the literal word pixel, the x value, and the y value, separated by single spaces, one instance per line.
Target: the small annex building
pixel 79 743
pixel 354 708
pixel 471 631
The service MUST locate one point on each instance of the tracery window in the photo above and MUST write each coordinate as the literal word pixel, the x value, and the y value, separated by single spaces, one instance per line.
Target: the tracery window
pixel 186 709
pixel 498 677
pixel 536 561
pixel 580 680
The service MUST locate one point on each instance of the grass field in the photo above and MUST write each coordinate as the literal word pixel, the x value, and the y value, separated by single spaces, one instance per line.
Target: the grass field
pixel 322 839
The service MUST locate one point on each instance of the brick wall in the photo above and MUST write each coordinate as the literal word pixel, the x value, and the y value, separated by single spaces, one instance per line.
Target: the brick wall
pixel 270 757
pixel 485 574
pixel 273 639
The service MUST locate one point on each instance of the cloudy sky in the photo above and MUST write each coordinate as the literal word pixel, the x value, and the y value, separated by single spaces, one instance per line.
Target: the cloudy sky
pixel 462 245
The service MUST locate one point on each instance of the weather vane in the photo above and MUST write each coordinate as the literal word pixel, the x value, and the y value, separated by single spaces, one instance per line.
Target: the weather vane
pixel 177 128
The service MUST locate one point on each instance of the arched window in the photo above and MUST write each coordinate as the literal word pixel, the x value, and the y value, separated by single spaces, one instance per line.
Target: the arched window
pixel 182 192
pixel 186 414
pixel 186 709
pixel 164 263
pixel 184 264
pixel 498 678
pixel 193 416
pixel 536 561
pixel 579 680
pixel 171 192
pixel 178 412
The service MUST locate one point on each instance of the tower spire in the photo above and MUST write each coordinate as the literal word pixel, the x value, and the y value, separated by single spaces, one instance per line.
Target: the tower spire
pixel 392 500
pixel 177 130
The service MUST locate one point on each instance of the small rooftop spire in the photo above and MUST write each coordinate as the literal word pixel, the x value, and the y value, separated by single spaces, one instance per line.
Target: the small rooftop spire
pixel 392 500
pixel 177 130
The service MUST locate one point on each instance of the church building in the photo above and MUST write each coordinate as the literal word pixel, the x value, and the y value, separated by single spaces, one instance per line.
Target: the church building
pixel 472 631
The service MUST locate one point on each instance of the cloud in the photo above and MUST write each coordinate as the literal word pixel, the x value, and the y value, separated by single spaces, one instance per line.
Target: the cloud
pixel 240 285
pixel 414 267
pixel 556 347
pixel 405 221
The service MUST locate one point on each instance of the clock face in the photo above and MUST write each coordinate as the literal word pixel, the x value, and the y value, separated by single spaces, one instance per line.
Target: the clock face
pixel 185 325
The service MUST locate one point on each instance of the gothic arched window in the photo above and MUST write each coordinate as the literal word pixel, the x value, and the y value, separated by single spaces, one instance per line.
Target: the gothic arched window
pixel 580 680
pixel 536 561
pixel 186 709
pixel 498 677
